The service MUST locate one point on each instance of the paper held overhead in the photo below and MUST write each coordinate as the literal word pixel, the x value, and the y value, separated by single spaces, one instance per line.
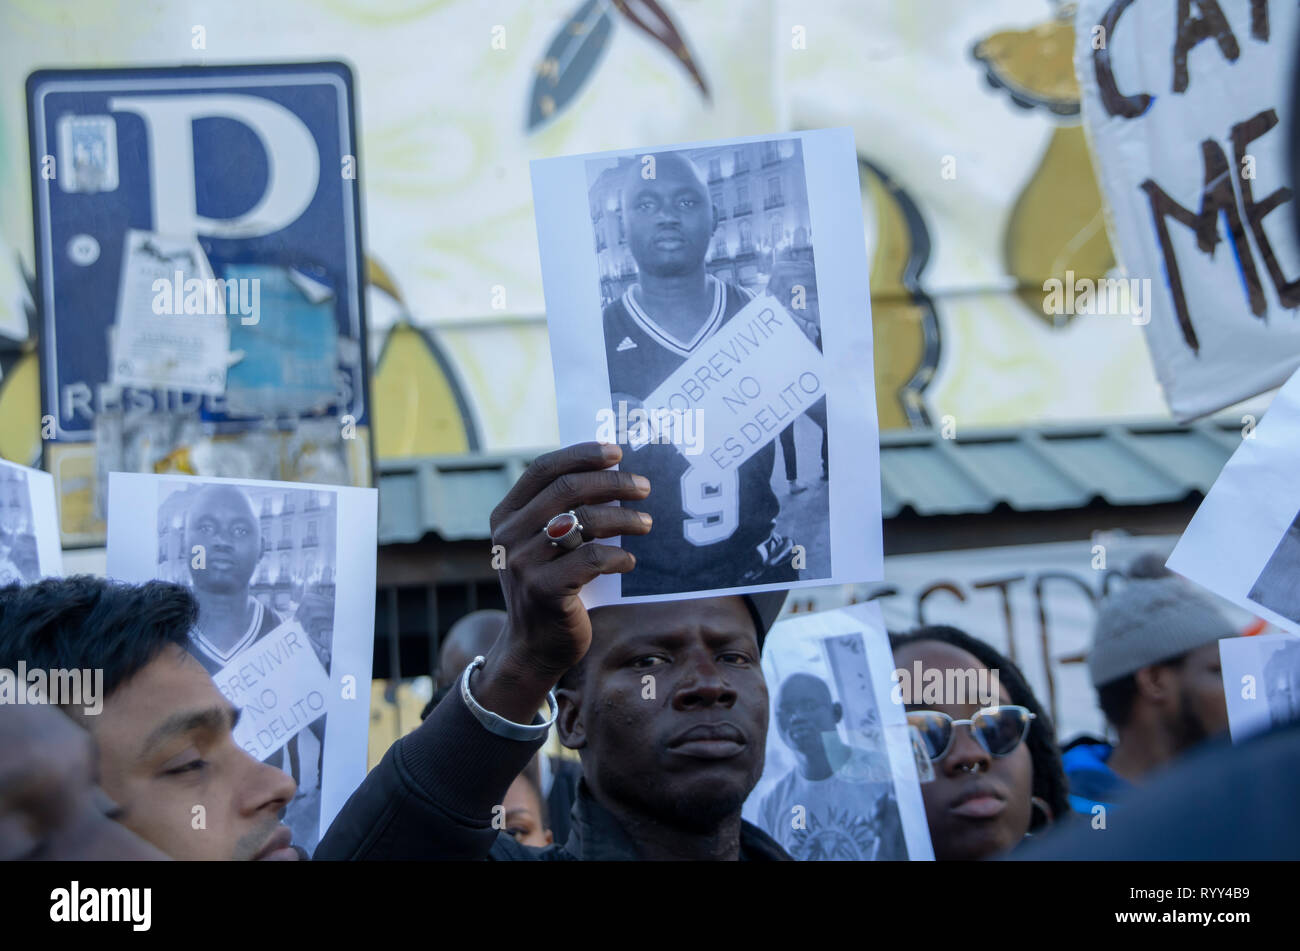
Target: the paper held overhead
pixel 1186 109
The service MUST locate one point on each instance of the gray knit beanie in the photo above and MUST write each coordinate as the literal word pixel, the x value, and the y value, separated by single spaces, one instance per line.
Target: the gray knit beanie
pixel 1151 619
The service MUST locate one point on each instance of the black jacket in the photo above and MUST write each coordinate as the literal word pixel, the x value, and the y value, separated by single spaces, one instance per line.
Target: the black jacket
pixel 596 836
pixel 431 797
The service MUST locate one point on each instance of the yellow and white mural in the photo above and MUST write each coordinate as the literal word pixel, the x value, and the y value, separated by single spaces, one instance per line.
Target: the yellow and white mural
pixel 976 180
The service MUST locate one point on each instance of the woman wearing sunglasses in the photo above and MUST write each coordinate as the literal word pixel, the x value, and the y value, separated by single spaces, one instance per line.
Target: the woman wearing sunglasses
pixel 997 770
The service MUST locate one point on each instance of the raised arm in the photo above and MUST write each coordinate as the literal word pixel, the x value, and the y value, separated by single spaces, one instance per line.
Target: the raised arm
pixel 432 794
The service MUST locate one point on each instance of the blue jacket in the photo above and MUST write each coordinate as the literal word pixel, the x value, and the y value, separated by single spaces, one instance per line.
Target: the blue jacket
pixel 1091 780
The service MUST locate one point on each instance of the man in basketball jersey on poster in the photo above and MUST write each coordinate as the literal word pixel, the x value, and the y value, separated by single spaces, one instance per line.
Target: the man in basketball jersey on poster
pixel 709 532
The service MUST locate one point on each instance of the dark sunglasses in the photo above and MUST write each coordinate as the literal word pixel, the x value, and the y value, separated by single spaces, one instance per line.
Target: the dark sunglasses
pixel 998 729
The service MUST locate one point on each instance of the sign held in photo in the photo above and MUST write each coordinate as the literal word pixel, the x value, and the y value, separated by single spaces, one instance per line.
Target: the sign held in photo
pixel 29 526
pixel 1243 543
pixel 840 780
pixel 1261 682
pixel 285 613
pixel 1185 111
pixel 708 309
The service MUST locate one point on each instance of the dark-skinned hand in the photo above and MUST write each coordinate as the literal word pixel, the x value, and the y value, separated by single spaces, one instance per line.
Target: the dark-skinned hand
pixel 548 631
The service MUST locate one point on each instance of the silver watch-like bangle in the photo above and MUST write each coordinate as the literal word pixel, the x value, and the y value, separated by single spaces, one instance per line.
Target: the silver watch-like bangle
pixel 498 724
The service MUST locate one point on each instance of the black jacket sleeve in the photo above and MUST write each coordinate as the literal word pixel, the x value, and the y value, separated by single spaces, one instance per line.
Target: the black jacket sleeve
pixel 432 794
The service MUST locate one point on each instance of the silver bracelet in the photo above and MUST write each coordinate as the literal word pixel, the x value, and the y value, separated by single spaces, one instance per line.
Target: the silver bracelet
pixel 500 725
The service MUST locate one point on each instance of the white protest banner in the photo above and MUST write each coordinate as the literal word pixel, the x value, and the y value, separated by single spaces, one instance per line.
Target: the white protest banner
pixel 709 310
pixel 1185 106
pixel 776 374
pixel 1261 682
pixel 1243 543
pixel 279 686
pixel 284 577
pixel 840 777
pixel 29 526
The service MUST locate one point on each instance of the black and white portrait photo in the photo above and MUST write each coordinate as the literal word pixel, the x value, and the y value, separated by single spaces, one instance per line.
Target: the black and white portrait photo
pixel 839 782
pixel 19 554
pixel 1278 585
pixel 685 240
pixel 286 614
pixel 709 311
pixel 837 801
pixel 261 562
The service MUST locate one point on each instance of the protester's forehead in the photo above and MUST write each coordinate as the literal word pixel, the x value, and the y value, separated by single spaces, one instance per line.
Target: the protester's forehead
pixel 173 680
pixel 936 654
pixel 522 795
pixel 620 622
pixel 943 657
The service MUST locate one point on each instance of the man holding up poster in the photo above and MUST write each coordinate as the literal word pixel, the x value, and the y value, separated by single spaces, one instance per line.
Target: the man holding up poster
pixel 666 702
pixel 712 530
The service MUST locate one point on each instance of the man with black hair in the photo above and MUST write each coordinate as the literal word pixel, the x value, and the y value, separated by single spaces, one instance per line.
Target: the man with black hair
pixel 165 735
pixel 665 701
pixel 1155 665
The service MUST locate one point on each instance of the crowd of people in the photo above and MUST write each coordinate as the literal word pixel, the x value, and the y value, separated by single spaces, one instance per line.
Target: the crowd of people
pixel 157 773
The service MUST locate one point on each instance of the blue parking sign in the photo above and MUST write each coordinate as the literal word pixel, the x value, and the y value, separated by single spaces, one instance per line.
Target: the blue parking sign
pixel 239 181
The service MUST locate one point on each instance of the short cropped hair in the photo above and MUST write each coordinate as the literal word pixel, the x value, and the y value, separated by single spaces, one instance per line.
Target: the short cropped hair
pixel 89 623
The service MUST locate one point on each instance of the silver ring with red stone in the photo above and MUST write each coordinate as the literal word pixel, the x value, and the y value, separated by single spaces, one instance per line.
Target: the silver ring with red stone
pixel 564 531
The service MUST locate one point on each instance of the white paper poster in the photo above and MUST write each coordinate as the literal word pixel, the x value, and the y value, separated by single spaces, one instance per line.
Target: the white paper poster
pixel 171 330
pixel 1261 682
pixel 1243 543
pixel 29 526
pixel 1186 108
pixel 709 310
pixel 840 779
pixel 284 576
